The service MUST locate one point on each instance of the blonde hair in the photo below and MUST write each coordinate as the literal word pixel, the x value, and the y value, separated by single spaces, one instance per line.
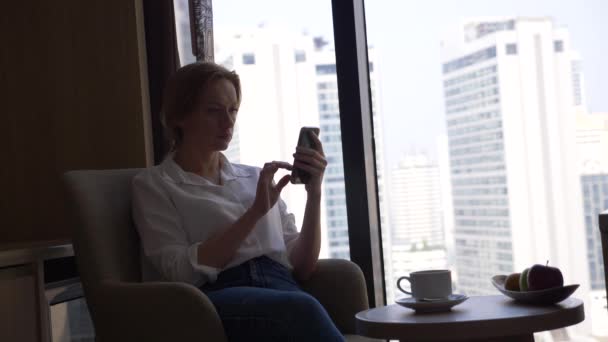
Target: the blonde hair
pixel 183 92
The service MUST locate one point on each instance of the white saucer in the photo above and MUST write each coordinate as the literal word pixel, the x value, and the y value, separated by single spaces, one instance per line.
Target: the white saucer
pixel 424 306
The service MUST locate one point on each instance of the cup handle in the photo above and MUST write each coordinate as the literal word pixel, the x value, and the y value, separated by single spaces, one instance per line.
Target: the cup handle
pixel 399 284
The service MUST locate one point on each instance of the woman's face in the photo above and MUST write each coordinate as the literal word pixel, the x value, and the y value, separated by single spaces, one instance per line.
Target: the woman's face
pixel 210 126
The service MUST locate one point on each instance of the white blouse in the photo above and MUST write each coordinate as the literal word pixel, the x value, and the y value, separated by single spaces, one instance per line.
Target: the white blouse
pixel 175 211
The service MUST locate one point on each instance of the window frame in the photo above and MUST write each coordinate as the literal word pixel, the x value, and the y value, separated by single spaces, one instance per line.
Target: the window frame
pixel 358 145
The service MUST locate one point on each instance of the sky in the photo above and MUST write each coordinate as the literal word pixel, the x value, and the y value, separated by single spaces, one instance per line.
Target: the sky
pixel 407 35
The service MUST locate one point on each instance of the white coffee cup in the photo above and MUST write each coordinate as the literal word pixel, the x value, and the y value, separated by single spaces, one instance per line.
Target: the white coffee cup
pixel 429 284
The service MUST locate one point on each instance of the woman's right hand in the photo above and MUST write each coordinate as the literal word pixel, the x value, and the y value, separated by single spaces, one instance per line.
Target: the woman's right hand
pixel 267 193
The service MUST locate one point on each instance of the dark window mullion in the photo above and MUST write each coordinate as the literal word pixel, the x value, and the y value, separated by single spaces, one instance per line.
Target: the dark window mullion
pixel 358 145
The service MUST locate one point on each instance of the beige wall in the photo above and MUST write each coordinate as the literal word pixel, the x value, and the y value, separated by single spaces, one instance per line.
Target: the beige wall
pixel 73 93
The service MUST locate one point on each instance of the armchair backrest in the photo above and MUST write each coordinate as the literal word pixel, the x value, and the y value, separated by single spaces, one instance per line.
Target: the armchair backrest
pixel 604 236
pixel 105 241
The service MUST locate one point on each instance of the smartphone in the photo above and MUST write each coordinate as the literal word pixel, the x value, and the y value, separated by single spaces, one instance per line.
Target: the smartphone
pixel 299 176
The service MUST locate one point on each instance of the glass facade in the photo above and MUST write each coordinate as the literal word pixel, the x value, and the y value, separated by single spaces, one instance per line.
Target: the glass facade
pixel 470 59
pixel 595 200
pixel 335 197
pixel 477 165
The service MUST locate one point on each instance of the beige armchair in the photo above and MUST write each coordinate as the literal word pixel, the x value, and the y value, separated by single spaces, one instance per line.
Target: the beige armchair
pixel 124 308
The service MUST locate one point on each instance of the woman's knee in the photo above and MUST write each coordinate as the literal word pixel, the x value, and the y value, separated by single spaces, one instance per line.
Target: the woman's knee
pixel 312 320
pixel 301 303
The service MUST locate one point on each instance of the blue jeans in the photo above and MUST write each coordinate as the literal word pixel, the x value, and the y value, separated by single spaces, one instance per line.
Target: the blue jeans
pixel 260 301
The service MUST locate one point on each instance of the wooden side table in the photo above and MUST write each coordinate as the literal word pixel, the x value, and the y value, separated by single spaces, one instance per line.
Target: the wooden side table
pixel 480 318
pixel 24 309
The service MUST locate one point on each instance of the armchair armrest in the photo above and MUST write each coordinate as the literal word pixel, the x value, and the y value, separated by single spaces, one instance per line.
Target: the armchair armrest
pixel 340 287
pixel 156 311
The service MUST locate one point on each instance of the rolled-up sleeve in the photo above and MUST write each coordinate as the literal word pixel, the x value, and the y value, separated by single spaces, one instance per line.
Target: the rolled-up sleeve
pixel 164 241
pixel 290 230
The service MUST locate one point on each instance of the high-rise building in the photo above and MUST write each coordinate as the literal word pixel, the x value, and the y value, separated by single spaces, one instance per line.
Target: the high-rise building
pixel 417 232
pixel 335 196
pixel 592 144
pixel 289 81
pixel 447 209
pixel 512 87
pixel 416 203
pixel 375 79
pixel 329 117
pixel 279 96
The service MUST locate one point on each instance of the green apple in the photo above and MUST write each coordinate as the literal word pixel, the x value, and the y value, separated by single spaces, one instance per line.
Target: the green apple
pixel 523 280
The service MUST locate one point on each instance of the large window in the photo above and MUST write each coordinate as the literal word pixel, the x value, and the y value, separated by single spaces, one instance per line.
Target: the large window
pixel 490 140
pixel 287 67
pixel 489 128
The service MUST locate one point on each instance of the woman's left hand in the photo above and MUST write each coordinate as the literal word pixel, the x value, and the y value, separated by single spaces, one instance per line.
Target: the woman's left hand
pixel 312 160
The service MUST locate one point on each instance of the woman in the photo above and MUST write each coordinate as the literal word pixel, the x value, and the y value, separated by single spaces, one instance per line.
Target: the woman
pixel 223 227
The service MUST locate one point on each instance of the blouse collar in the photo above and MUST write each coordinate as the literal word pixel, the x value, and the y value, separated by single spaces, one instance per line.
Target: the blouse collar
pixel 175 173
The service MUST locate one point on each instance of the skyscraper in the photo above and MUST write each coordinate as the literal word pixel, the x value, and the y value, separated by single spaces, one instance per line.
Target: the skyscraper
pixel 329 118
pixel 279 96
pixel 416 203
pixel 335 196
pixel 512 87
pixel 592 144
pixel 289 80
pixel 417 232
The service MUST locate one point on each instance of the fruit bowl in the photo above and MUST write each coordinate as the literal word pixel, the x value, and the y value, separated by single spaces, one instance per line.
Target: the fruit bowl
pixel 540 297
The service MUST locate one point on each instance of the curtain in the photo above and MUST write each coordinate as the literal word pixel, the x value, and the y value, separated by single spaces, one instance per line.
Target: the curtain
pixel 163 60
pixel 201 28
pixel 163 54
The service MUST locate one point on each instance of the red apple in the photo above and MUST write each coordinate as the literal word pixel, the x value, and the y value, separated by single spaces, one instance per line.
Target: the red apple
pixel 542 277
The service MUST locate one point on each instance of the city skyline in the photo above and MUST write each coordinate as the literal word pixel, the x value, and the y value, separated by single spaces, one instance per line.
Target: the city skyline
pixel 412 96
